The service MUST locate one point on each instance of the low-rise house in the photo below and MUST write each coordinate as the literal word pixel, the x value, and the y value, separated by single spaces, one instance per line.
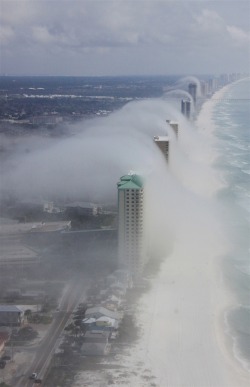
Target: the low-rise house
pixel 112 302
pixel 105 321
pixel 100 324
pixel 11 315
pixel 84 208
pixel 99 311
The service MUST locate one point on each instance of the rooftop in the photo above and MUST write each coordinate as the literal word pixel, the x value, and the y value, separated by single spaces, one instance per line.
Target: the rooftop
pixel 91 312
pixel 161 138
pixel 10 308
pixel 131 181
pixel 82 204
pixel 171 122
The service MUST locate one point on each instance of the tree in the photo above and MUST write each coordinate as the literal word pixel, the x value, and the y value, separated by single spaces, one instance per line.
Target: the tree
pixel 27 313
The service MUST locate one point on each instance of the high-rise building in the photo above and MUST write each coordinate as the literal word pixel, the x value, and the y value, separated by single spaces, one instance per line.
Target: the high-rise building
pixel 163 144
pixel 204 88
pixel 186 108
pixel 174 126
pixel 192 89
pixel 213 85
pixel 131 231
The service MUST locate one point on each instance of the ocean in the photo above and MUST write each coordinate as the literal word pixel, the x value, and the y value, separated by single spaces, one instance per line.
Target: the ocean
pixel 231 121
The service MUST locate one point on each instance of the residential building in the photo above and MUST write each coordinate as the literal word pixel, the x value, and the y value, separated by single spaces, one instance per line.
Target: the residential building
pixel 11 315
pixel 84 208
pixel 204 89
pixel 131 232
pixel 163 144
pixel 174 126
pixel 99 311
pixel 192 89
pixel 186 108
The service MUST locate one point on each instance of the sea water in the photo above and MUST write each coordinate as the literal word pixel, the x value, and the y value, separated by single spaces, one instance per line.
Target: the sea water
pixel 231 121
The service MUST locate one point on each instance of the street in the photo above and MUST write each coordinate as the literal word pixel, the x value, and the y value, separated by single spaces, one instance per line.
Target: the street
pixel 74 294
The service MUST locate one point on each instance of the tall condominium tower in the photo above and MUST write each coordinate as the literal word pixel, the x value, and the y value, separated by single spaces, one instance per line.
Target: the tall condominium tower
pixel 192 89
pixel 163 143
pixel 131 244
pixel 186 108
pixel 174 126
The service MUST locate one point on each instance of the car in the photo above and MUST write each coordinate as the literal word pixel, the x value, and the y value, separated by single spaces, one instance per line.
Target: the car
pixel 33 376
pixel 38 381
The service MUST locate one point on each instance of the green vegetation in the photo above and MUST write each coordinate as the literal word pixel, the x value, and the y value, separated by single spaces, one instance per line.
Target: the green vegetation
pixel 38 318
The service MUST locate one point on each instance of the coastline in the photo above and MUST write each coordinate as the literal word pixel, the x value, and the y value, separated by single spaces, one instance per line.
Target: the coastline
pixel 182 338
pixel 170 334
pixel 206 111
pixel 229 341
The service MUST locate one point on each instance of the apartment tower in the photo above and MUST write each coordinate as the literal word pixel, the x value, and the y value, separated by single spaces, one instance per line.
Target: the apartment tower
pixel 174 126
pixel 163 144
pixel 186 108
pixel 131 244
pixel 192 89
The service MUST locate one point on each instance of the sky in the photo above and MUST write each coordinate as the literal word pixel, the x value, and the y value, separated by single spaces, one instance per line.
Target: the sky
pixel 124 37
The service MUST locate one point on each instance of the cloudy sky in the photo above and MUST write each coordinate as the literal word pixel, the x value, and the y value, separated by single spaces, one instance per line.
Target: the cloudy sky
pixel 124 37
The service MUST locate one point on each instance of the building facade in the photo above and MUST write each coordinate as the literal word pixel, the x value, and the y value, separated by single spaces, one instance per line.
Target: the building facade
pixel 131 233
pixel 192 89
pixel 11 315
pixel 163 144
pixel 186 108
pixel 174 126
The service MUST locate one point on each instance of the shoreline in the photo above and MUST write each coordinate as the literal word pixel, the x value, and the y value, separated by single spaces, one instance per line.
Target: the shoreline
pixel 230 341
pixel 227 302
pixel 225 368
pixel 180 320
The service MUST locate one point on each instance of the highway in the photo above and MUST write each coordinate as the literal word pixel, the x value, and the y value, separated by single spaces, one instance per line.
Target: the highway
pixel 75 292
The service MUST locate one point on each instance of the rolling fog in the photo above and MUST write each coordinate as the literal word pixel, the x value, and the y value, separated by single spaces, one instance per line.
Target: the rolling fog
pixel 87 165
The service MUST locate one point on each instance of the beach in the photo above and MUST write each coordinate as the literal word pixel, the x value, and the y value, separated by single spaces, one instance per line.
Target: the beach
pixel 182 338
pixel 184 341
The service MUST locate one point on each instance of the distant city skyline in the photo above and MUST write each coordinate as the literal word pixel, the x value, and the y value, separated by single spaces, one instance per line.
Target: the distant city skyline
pixel 123 37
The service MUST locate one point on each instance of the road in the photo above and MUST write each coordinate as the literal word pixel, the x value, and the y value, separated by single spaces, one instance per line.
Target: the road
pixel 71 298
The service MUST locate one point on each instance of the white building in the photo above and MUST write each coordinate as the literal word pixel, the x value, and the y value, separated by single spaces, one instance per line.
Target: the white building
pixel 174 126
pixel 163 144
pixel 131 233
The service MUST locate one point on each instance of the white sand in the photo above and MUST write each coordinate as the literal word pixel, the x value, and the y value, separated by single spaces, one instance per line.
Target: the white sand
pixel 183 340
